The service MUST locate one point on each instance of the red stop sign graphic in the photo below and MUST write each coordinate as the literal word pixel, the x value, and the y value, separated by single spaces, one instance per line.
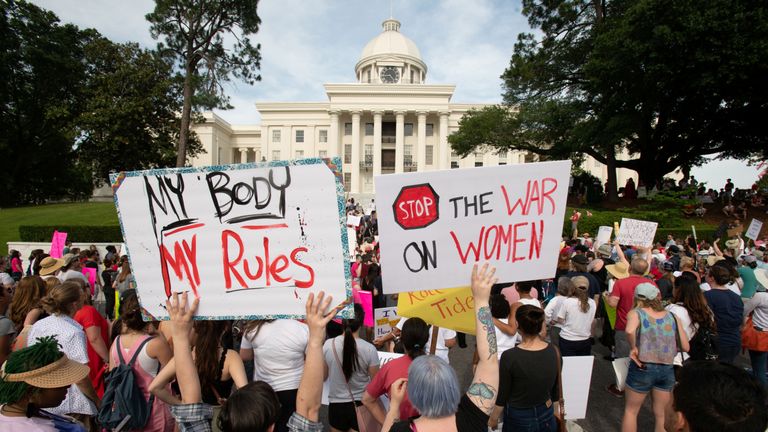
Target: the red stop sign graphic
pixel 416 206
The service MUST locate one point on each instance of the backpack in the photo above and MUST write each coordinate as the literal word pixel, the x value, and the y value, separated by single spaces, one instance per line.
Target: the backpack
pixel 703 345
pixel 123 399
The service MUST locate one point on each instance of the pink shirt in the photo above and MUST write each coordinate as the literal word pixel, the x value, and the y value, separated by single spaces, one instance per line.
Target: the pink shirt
pixel 391 372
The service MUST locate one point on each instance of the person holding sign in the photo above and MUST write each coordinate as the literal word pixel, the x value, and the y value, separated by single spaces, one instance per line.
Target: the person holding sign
pixel 432 385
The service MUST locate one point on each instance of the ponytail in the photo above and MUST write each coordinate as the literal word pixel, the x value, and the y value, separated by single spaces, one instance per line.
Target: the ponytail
pixel 581 294
pixel 349 362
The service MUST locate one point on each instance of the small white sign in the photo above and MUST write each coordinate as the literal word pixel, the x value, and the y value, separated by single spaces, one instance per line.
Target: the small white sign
pixel 603 235
pixel 386 357
pixel 633 232
pixel 383 319
pixel 753 232
pixel 577 375
pixel 353 220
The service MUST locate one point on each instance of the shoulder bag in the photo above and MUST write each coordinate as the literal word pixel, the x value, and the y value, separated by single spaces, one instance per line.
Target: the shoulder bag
pixel 365 420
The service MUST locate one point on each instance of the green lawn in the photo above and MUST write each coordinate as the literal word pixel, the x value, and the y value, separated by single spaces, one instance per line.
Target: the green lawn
pixel 53 214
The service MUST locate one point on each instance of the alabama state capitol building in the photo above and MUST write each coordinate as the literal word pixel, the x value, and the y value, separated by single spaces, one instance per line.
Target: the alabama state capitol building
pixel 389 121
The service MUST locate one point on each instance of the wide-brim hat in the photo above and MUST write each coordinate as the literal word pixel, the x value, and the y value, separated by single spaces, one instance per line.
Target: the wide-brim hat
pixel 61 373
pixel 619 270
pixel 732 244
pixel 605 250
pixel 712 259
pixel 49 265
pixel 762 277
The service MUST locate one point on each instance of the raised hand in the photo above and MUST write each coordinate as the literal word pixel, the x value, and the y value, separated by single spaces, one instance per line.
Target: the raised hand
pixel 181 312
pixel 482 281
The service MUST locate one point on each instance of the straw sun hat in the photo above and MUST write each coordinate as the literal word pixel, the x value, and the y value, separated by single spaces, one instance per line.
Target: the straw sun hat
pixel 49 265
pixel 61 373
pixel 57 369
pixel 619 270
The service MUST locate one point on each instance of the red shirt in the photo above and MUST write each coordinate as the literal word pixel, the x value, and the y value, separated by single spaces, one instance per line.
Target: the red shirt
pixel 389 373
pixel 88 316
pixel 624 289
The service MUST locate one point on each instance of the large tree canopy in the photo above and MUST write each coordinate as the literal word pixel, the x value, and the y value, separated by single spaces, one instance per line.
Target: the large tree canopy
pixel 194 31
pixel 668 81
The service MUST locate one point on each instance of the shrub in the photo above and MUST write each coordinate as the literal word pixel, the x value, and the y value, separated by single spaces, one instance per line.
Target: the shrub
pixel 80 233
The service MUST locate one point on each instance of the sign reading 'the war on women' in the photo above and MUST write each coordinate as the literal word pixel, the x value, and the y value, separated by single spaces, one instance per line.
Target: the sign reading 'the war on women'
pixel 435 225
pixel 251 240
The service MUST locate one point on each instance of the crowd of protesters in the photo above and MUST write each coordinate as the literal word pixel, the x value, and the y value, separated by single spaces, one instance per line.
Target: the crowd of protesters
pixel 680 312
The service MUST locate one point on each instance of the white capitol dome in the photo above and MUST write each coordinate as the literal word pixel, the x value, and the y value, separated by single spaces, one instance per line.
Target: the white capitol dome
pixel 391 47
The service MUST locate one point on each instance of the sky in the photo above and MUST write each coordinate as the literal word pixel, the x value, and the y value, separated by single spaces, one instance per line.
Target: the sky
pixel 305 44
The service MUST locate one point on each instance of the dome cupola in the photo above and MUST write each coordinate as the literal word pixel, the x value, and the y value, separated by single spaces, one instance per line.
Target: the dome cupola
pixel 391 58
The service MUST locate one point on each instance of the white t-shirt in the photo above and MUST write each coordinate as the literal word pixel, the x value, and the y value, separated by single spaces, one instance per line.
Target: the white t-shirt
pixel 531 301
pixel 73 274
pixel 576 325
pixel 684 320
pixel 504 341
pixel 443 334
pixel 552 309
pixel 759 304
pixel 278 353
pixel 732 286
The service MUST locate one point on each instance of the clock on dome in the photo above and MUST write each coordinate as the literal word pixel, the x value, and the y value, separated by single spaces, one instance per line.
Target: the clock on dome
pixel 389 74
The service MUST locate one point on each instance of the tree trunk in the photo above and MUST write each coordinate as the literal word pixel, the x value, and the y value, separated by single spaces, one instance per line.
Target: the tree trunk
pixel 612 187
pixel 186 114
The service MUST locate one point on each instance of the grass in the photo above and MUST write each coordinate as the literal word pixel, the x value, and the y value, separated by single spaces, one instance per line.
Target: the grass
pixel 92 213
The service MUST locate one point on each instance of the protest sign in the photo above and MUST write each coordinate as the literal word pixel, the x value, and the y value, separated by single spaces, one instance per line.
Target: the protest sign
pixel 603 236
pixel 435 225
pixel 385 320
pixel 366 301
pixel 753 232
pixel 386 357
pixel 353 220
pixel 90 273
pixel 577 375
pixel 58 242
pixel 448 308
pixel 251 240
pixel 633 232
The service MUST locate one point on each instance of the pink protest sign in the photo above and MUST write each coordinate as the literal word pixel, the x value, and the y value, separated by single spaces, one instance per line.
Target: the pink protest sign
pixel 57 244
pixel 90 273
pixel 366 300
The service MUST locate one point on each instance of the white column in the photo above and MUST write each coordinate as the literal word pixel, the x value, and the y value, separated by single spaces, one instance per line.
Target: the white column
pixel 445 151
pixel 377 143
pixel 421 148
pixel 333 135
pixel 256 155
pixel 355 187
pixel 399 140
pixel 243 155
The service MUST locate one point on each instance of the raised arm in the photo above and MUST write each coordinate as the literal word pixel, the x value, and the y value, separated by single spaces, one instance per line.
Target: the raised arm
pixel 485 384
pixel 186 371
pixel 620 252
pixel 718 252
pixel 310 391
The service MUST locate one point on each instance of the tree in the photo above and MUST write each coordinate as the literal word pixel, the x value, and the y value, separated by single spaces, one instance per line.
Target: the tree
pixel 130 120
pixel 42 71
pixel 194 31
pixel 669 82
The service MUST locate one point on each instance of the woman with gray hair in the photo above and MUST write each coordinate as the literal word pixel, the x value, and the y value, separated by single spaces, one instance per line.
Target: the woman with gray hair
pixel 565 288
pixel 433 388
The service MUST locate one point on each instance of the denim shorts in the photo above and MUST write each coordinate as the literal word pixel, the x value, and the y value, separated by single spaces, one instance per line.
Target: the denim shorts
pixel 652 376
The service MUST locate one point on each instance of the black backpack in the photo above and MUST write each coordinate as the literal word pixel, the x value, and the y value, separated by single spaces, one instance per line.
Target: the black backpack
pixel 703 345
pixel 123 398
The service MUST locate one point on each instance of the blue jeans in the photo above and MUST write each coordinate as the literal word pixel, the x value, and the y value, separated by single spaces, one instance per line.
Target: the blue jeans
pixel 534 419
pixel 759 361
pixel 651 376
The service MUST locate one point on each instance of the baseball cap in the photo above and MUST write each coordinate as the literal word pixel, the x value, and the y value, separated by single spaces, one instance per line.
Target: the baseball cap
pixel 646 291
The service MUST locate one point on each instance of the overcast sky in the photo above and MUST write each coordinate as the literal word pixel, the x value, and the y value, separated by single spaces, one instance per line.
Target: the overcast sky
pixel 308 43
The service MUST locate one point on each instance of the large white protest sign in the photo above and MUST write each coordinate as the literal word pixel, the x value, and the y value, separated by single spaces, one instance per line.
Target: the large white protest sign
pixel 635 232
pixel 251 240
pixel 385 320
pixel 603 235
pixel 386 357
pixel 753 232
pixel 577 376
pixel 435 225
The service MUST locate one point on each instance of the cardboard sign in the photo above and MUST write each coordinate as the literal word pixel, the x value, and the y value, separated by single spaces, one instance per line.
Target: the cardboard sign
pixel 753 232
pixel 449 308
pixel 58 242
pixel 251 240
pixel 385 320
pixel 435 225
pixel 90 273
pixel 577 375
pixel 635 232
pixel 603 236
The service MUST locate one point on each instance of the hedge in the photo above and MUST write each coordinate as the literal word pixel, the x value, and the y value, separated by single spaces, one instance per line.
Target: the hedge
pixel 78 234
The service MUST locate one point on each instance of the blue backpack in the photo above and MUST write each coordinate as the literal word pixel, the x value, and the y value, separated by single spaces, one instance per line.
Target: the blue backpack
pixel 124 403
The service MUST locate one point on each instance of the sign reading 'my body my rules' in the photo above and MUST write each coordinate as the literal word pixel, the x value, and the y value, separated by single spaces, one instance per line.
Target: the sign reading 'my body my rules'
pixel 435 225
pixel 251 240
